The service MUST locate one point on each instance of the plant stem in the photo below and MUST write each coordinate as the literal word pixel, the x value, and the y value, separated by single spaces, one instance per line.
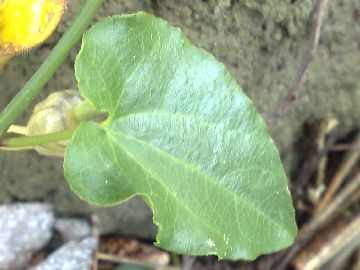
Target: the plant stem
pixel 25 141
pixel 50 65
pixel 284 104
pixel 86 111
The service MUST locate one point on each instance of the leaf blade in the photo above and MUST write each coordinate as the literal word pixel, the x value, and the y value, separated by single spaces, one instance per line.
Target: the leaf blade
pixel 178 129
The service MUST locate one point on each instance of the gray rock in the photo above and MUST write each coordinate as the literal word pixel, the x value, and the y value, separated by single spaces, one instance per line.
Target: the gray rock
pixel 72 256
pixel 72 228
pixel 24 228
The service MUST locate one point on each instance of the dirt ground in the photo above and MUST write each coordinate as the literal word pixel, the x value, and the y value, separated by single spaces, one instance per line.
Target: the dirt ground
pixel 262 43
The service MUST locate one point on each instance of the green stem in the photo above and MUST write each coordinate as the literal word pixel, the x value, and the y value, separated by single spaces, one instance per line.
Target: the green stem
pixel 86 111
pixel 26 141
pixel 58 55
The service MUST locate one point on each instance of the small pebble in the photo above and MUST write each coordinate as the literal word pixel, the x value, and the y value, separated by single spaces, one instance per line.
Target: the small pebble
pixel 71 256
pixel 72 229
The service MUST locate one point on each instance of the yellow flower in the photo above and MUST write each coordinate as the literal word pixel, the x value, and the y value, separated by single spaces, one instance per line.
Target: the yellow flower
pixel 26 23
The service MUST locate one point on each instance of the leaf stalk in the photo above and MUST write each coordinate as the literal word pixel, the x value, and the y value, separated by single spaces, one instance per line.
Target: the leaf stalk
pixel 28 141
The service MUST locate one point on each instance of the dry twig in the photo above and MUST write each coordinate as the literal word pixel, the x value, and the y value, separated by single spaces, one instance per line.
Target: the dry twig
pixel 96 234
pixel 284 104
pixel 311 165
pixel 347 239
pixel 341 201
pixel 118 259
pixel 327 126
pixel 344 147
pixel 349 161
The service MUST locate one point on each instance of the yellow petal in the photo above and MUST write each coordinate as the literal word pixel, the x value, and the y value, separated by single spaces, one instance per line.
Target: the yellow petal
pixel 27 23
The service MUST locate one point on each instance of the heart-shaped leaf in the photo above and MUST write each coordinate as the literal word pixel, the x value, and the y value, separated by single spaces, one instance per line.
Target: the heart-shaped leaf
pixel 181 134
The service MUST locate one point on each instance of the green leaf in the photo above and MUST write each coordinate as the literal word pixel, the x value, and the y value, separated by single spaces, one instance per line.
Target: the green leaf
pixel 182 135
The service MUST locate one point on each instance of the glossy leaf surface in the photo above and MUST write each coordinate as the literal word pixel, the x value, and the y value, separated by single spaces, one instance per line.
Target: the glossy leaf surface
pixel 181 134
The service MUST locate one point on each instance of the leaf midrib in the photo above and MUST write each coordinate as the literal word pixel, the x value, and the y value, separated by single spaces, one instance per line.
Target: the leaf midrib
pixel 168 190
pixel 195 169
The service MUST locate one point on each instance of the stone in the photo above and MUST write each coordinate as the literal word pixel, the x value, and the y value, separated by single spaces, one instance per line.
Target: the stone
pixel 72 229
pixel 24 229
pixel 71 256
